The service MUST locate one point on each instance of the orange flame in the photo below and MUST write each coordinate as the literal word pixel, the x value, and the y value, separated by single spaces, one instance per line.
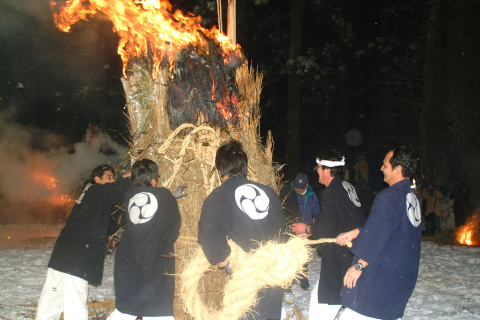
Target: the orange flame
pixel 469 233
pixel 466 236
pixel 49 181
pixel 44 178
pixel 146 27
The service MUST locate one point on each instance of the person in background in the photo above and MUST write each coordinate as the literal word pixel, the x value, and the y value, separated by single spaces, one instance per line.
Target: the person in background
pixel 432 195
pixel 341 211
pixel 361 169
pixel 246 212
pixel 78 256
pixel 300 204
pixel 387 248
pixel 462 205
pixel 365 195
pixel 145 261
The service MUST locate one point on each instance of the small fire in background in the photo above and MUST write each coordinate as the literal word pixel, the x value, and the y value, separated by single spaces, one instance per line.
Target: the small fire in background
pixel 469 234
pixel 45 200
pixel 61 200
pixel 53 193
pixel 49 181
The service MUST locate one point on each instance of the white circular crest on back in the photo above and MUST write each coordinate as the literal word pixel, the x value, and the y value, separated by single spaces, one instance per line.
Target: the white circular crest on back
pixel 253 201
pixel 142 207
pixel 413 210
pixel 352 194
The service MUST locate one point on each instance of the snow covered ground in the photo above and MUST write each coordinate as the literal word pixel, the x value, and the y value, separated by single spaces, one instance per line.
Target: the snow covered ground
pixel 447 288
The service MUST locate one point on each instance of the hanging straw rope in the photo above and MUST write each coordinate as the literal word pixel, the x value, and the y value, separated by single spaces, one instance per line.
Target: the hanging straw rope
pixel 272 265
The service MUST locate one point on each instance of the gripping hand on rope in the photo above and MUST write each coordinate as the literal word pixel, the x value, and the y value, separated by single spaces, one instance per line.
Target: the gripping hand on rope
pixel 301 230
pixel 347 237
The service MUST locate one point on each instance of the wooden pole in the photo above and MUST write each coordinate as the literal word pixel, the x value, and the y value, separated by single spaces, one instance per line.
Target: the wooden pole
pixel 232 20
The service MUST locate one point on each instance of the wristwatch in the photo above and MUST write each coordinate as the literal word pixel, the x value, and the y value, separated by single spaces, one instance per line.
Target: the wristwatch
pixel 359 266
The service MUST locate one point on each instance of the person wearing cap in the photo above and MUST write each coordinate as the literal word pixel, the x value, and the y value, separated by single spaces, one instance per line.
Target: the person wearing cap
pixel 300 204
pixel 341 212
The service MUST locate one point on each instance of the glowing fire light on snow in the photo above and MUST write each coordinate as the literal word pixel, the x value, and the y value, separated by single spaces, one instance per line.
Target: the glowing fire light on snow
pixel 145 27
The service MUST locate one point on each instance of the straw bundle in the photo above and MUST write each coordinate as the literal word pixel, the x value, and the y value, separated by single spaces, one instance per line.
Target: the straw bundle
pixel 186 155
pixel 271 265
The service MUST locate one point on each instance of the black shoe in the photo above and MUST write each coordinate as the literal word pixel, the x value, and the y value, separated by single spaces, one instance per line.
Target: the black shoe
pixel 304 283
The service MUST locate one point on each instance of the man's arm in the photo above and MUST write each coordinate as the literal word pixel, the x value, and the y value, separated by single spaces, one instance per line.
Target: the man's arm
pixel 342 238
pixel 212 232
pixel 352 275
pixel 301 230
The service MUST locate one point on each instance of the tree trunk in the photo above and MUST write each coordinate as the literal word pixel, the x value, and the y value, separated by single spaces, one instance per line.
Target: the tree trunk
pixel 295 108
pixel 452 83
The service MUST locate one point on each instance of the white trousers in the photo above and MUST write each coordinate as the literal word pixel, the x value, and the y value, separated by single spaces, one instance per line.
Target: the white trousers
pixel 349 314
pixel 117 315
pixel 63 293
pixel 321 311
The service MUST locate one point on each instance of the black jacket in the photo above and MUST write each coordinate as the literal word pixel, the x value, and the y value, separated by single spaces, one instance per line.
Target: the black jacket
pixel 248 213
pixel 81 246
pixel 144 261
pixel 341 212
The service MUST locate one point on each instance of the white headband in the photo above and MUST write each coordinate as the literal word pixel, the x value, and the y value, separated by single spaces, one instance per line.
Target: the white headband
pixel 331 164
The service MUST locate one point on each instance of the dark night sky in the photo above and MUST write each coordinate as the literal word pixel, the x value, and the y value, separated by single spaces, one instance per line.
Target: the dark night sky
pixel 62 82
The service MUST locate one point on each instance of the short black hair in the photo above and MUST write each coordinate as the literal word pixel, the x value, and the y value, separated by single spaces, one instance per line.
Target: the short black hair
pixel 332 155
pixel 404 156
pixel 99 171
pixel 143 172
pixel 231 160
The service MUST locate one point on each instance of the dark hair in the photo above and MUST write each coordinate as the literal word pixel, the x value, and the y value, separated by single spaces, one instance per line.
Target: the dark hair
pixel 143 172
pixel 406 157
pixel 332 155
pixel 99 171
pixel 231 160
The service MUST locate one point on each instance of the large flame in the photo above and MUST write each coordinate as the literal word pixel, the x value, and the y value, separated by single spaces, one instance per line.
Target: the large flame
pixel 147 28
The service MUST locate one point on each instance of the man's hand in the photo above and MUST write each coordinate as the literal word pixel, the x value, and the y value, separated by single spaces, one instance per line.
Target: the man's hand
pixel 342 238
pixel 351 277
pixel 178 193
pixel 300 230
pixel 225 264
